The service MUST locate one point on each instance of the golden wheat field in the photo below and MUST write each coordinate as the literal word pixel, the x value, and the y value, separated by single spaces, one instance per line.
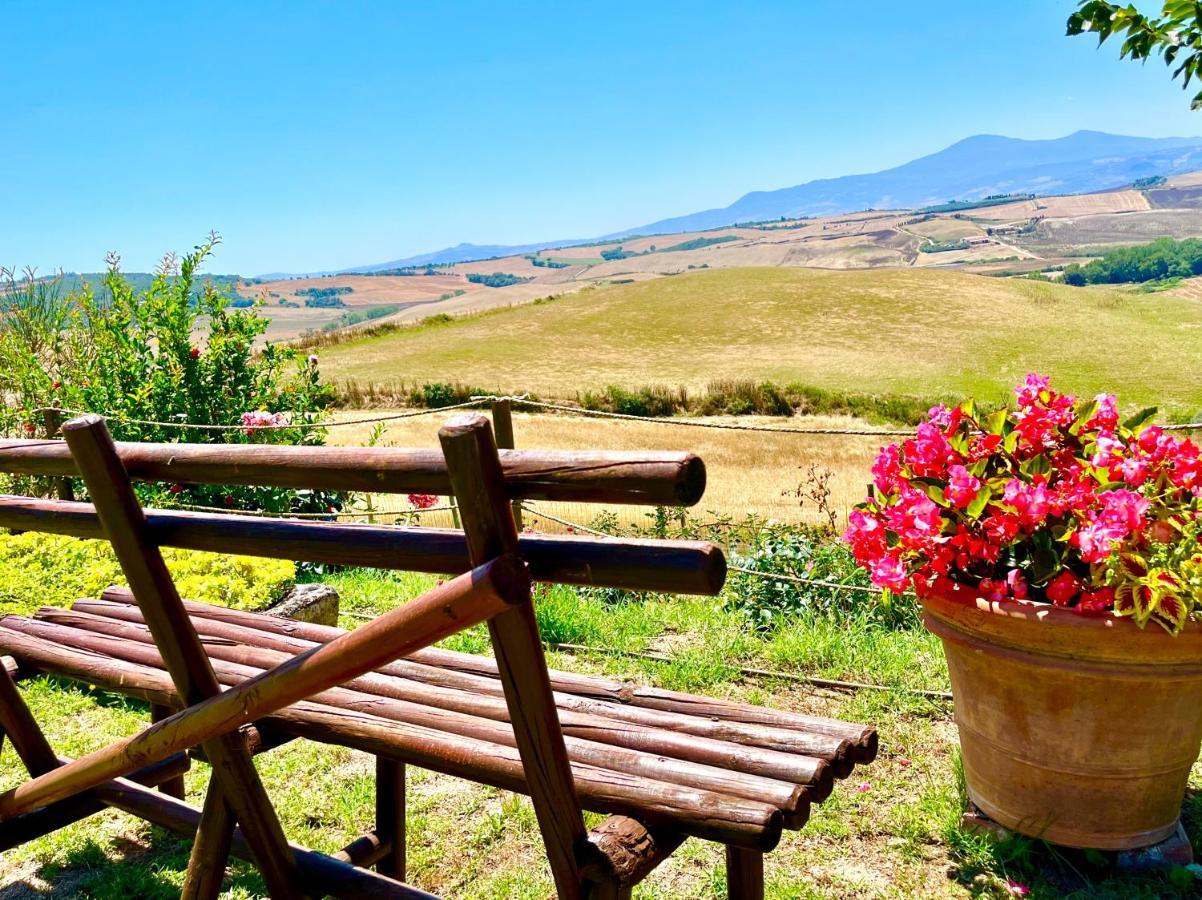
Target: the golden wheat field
pixel 748 471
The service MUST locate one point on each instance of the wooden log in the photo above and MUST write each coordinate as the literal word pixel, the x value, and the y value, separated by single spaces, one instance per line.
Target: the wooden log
pixel 467 672
pixel 390 816
pixel 744 874
pixel 120 514
pixel 787 782
pixel 632 849
pixel 320 873
pixel 478 483
pixel 681 567
pixel 785 772
pixel 172 787
pixel 447 609
pixel 53 419
pixel 211 846
pixel 642 478
pixel 29 826
pixel 365 850
pixel 502 426
pixel 23 730
pixel 704 814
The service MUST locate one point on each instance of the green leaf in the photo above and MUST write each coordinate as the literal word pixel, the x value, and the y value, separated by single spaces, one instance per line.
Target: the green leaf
pixel 1140 418
pixel 978 504
pixel 996 423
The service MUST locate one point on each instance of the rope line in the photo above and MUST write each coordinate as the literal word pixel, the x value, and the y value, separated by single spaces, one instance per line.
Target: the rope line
pixel 254 428
pixel 688 423
pixel 771 576
pixel 481 399
pixel 303 515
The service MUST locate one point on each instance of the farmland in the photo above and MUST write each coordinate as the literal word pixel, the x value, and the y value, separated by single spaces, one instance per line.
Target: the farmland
pixel 925 333
pixel 1030 234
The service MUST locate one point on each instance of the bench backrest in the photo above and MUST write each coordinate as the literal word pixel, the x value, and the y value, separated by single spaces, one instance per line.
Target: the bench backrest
pixel 497 563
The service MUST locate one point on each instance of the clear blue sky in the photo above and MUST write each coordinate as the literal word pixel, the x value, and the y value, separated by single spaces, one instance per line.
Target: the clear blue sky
pixel 325 135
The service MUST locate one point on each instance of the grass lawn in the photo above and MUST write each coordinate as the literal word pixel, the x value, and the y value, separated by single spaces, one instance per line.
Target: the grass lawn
pixel 884 331
pixel 890 831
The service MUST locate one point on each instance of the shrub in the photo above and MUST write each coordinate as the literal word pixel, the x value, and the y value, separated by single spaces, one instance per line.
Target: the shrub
pixel 800 552
pixel 54 569
pixel 173 352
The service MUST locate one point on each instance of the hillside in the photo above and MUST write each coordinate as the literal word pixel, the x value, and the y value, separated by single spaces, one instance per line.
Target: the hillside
pixel 918 332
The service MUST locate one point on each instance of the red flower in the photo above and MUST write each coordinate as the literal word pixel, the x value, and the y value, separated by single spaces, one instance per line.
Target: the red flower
pixel 1063 588
pixel 176 488
pixel 422 501
pixel 30 428
pixel 194 353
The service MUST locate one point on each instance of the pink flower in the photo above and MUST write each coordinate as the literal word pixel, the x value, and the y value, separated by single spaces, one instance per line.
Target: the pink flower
pixel 889 573
pixel 1017 889
pixel 1017 584
pixel 1063 588
pixel 422 501
pixel 1106 414
pixel 962 486
pixel 1028 393
pixel 1032 502
pixel 313 359
pixel 915 518
pixel 886 470
pixel 993 591
pixel 928 454
pixel 863 787
pixel 866 536
pixel 903 762
pixel 259 419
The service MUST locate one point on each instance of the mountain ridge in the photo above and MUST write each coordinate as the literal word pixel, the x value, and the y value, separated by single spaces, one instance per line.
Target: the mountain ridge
pixel 974 167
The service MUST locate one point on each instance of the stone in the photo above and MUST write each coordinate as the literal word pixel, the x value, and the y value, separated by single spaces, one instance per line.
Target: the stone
pixel 1173 851
pixel 315 603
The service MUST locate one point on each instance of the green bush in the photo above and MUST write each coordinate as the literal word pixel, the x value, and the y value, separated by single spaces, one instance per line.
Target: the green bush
pixel 175 351
pixel 806 553
pixel 54 569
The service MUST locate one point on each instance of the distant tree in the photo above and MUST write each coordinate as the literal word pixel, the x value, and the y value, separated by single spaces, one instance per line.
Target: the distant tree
pixel 1175 36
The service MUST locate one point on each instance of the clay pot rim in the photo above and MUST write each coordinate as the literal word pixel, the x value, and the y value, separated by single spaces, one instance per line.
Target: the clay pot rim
pixel 1049 630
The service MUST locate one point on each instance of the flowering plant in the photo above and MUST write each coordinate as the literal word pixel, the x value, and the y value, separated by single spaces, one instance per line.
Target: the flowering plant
pixel 1053 500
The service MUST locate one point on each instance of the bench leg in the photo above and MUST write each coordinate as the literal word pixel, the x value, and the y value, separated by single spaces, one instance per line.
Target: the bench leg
pixel 390 816
pixel 173 787
pixel 744 874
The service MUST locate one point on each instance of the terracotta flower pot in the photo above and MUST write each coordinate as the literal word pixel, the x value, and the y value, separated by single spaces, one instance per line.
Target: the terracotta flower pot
pixel 1077 728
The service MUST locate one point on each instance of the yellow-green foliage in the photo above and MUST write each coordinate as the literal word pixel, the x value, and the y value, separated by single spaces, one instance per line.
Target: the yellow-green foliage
pixel 47 569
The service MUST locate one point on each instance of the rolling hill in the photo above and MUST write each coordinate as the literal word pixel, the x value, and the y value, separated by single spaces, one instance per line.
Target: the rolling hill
pixel 907 331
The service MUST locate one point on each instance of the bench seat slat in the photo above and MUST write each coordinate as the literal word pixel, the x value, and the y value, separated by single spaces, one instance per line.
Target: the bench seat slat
pixel 701 813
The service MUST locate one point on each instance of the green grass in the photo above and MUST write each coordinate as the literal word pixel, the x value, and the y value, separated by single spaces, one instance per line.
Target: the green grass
pixel 908 332
pixel 891 831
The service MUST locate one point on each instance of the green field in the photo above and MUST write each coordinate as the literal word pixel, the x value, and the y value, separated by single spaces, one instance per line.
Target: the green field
pixel 886 331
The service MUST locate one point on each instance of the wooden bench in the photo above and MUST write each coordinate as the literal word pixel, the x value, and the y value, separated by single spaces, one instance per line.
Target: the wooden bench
pixel 225 684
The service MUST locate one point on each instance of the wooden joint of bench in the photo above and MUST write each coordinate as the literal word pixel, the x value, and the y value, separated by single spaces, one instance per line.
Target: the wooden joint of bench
pixel 630 851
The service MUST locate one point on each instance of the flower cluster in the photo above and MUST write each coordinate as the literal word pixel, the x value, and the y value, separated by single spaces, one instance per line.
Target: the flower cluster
pixel 1053 500
pixel 422 501
pixel 254 421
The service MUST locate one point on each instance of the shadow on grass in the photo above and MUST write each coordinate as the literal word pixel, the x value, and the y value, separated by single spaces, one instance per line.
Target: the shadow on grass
pixel 984 864
pixel 124 869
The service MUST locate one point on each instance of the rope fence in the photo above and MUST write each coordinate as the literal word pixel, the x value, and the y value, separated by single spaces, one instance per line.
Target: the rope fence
pixel 488 399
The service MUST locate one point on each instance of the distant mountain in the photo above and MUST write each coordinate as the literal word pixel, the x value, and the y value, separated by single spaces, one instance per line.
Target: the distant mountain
pixel 460 253
pixel 970 169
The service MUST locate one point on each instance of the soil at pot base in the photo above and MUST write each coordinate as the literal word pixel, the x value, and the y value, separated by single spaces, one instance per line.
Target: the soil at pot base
pixel 1079 729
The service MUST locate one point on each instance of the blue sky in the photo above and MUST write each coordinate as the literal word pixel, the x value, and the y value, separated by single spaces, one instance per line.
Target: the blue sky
pixel 326 135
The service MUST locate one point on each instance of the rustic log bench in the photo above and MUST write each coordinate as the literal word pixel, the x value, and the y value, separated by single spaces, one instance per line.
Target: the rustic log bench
pixel 225 684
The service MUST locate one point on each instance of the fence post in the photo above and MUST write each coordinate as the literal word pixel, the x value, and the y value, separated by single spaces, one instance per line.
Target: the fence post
pixel 502 426
pixel 53 419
